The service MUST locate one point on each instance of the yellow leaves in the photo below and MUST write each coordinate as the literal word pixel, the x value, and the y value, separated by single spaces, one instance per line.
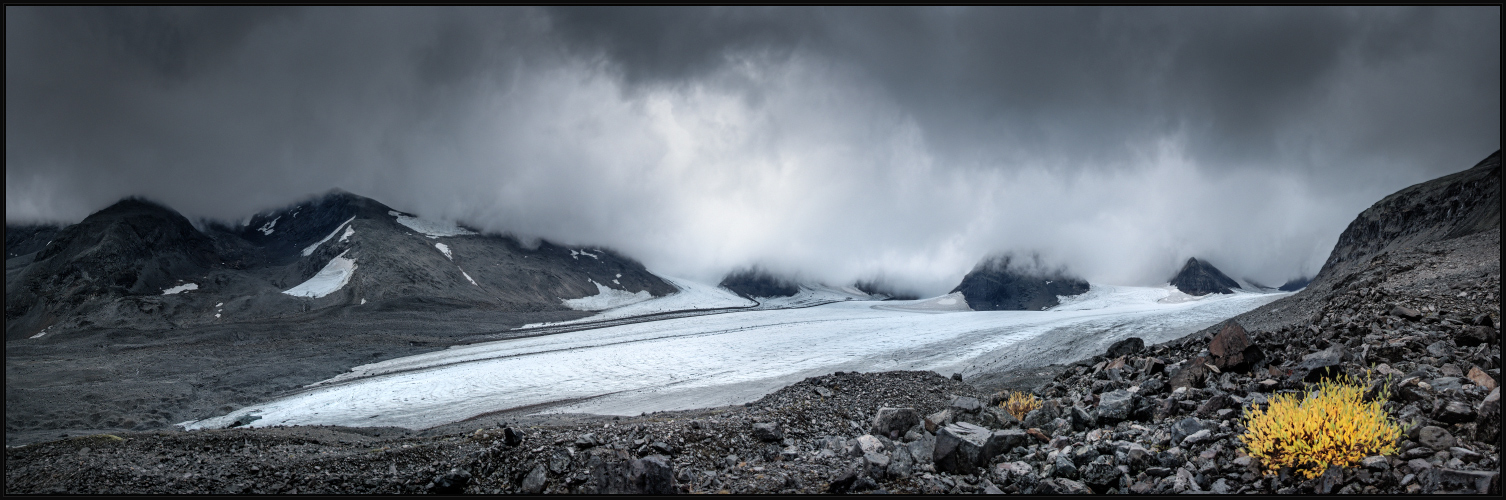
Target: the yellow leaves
pixel 1332 426
pixel 1020 403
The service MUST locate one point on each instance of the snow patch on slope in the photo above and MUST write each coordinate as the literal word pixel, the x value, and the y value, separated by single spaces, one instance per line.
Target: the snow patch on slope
pixel 349 230
pixel 467 276
pixel 180 288
pixel 606 298
pixel 952 302
pixel 432 229
pixel 310 249
pixel 445 249
pixel 691 297
pixel 266 229
pixel 335 275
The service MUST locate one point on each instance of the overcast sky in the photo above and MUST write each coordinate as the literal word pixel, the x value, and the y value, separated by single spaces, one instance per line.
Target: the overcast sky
pixel 835 143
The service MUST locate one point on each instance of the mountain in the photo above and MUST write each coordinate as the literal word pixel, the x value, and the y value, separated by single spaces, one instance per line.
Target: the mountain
pixel 1003 283
pixel 1201 278
pixel 138 264
pixel 755 282
pixel 22 239
pixel 1295 284
pixel 879 288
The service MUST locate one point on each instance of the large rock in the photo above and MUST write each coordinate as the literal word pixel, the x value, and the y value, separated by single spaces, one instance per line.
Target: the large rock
pixel 1320 365
pixel 1476 335
pixel 960 448
pixel 652 475
pixel 893 422
pixel 1125 347
pixel 1435 437
pixel 1116 406
pixel 1101 473
pixel 966 404
pixel 767 432
pixel 1233 351
pixel 923 449
pixel 533 483
pixel 1000 442
pixel 1191 374
pixel 1187 427
pixel 1488 418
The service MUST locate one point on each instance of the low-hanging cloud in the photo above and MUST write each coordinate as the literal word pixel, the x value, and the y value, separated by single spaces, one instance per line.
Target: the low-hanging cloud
pixel 835 144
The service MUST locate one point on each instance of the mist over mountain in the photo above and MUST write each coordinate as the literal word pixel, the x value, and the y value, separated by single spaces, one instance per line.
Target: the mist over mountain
pixel 1009 282
pixel 833 143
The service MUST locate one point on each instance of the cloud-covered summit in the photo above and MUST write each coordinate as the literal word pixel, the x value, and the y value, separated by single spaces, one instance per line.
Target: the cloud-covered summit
pixel 836 143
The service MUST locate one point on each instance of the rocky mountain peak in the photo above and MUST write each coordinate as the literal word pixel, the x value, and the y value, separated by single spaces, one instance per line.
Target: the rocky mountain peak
pixel 1007 283
pixel 1201 278
pixel 757 282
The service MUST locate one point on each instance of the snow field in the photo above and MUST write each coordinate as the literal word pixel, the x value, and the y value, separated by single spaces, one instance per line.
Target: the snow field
pixel 714 360
pixel 180 288
pixel 606 298
pixel 692 296
pixel 309 250
pixel 331 278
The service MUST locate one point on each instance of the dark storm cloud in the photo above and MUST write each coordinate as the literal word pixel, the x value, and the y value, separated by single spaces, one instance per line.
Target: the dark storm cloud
pixel 836 143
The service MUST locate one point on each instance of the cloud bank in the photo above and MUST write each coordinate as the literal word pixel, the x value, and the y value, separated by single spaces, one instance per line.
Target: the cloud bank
pixel 833 143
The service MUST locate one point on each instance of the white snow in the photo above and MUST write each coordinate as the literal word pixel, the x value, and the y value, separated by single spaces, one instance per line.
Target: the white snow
pixel 332 277
pixel 180 288
pixel 445 249
pixel 692 296
pixel 221 304
pixel 349 230
pixel 606 298
pixel 952 302
pixel 309 250
pixel 810 295
pixel 363 300
pixel 41 333
pixel 266 229
pixel 432 229
pixel 722 359
pixel 467 276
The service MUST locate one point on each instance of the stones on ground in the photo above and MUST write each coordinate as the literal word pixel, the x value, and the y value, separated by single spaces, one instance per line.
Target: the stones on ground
pixel 1406 312
pixel 1190 374
pixel 1488 417
pixel 842 482
pixel 823 392
pixel 1101 473
pixel 1480 378
pixel 451 483
pixel 893 422
pixel 767 432
pixel 900 463
pixel 652 475
pixel 1476 335
pixel 511 437
pixel 1125 347
pixel 1456 412
pixel 587 440
pixel 1186 427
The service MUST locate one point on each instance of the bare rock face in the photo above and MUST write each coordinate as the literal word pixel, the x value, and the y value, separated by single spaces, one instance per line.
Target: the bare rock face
pixel 1233 351
pixel 1201 278
pixel 1005 283
pixel 756 282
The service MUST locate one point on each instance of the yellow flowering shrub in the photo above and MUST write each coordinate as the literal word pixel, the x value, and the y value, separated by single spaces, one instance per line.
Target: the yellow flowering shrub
pixel 1333 425
pixel 1020 403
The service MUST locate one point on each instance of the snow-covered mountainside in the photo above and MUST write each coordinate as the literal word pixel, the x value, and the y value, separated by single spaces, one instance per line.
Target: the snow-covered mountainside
pixel 337 250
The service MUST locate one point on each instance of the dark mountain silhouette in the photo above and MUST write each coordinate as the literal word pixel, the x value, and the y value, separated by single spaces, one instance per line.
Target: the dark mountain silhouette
pixel 1005 283
pixel 1295 284
pixel 756 282
pixel 1201 278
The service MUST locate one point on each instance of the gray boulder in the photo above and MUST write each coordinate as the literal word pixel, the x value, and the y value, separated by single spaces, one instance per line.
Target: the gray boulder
pixel 893 422
pixel 966 404
pixel 652 475
pixel 533 483
pixel 1116 406
pixel 1125 347
pixel 767 432
pixel 959 448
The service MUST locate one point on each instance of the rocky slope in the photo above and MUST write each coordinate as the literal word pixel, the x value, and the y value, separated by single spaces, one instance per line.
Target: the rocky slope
pixel 1007 283
pixel 1200 278
pixel 141 265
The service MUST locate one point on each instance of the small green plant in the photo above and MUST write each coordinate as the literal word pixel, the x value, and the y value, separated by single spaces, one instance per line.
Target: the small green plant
pixel 1333 425
pixel 1020 403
